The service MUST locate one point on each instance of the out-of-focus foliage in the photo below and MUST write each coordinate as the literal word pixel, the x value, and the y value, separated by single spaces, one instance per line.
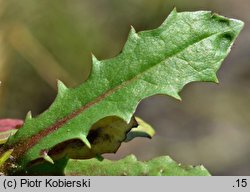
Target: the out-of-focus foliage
pixel 44 40
pixel 128 166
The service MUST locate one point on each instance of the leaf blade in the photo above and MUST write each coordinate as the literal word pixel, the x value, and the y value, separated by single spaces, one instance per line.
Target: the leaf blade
pixel 130 166
pixel 187 47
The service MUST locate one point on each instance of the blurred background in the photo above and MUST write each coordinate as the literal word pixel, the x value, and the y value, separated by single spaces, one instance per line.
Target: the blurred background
pixel 41 41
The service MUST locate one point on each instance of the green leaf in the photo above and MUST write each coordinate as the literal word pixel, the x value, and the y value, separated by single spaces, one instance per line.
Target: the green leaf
pixel 187 47
pixel 130 166
pixel 161 166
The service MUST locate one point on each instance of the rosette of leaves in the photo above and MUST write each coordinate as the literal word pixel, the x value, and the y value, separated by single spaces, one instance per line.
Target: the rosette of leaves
pixel 84 122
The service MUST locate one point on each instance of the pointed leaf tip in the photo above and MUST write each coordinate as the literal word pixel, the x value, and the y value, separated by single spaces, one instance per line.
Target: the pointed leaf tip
pixel 172 15
pixel 176 96
pixel 61 87
pixel 94 59
pixel 47 158
pixel 84 139
pixel 174 10
pixel 28 116
pixel 95 65
pixel 142 129
pixel 132 32
pixel 216 80
pixel 132 29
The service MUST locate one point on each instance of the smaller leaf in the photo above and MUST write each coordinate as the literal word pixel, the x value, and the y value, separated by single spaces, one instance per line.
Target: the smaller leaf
pixel 142 130
pixel 130 166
